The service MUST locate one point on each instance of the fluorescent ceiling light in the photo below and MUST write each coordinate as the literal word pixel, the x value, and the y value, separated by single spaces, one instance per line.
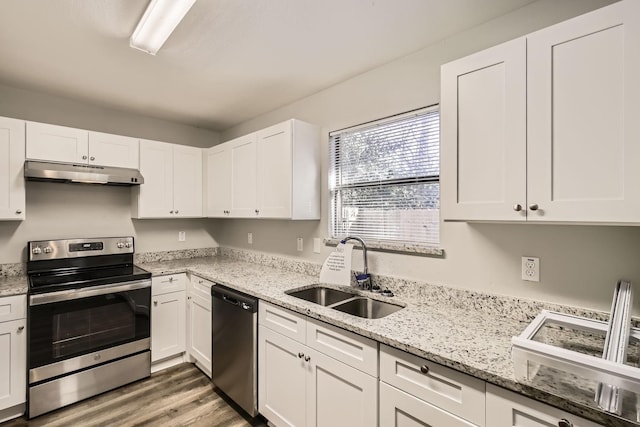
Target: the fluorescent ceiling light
pixel 157 24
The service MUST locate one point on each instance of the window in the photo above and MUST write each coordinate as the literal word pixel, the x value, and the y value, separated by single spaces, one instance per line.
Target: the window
pixel 384 179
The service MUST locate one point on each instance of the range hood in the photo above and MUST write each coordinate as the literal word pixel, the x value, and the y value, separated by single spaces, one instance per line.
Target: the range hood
pixel 86 174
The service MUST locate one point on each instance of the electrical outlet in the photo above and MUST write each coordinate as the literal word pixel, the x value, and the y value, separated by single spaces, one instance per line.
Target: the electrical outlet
pixel 250 238
pixel 300 244
pixel 316 245
pixel 182 236
pixel 530 269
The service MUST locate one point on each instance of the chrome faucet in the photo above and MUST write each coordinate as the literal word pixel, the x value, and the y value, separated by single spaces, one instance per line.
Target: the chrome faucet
pixel 364 279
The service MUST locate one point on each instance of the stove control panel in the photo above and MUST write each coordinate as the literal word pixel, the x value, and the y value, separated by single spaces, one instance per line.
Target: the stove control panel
pixel 75 248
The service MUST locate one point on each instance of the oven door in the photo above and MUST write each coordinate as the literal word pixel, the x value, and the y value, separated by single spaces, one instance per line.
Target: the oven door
pixel 77 328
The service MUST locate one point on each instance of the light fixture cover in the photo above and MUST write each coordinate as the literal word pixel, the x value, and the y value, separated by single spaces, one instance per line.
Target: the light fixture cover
pixel 157 24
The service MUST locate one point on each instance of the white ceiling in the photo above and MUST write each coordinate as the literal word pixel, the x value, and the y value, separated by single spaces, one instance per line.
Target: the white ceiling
pixel 228 61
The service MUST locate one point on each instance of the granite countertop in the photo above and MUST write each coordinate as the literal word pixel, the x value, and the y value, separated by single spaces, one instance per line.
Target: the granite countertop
pixel 13 285
pixel 472 339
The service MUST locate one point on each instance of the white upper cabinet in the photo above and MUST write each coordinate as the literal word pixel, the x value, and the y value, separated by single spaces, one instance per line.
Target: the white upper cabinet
pixel 272 173
pixel 172 181
pixel 69 145
pixel 12 188
pixel 545 128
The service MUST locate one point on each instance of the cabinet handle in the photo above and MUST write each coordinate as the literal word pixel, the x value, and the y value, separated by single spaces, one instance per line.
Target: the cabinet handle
pixel 424 369
pixel 300 355
pixel 565 423
pixel 517 207
pixel 533 207
pixel 19 211
pixel 155 303
pixel 307 358
pixel 92 158
pixel 20 328
pixel 84 157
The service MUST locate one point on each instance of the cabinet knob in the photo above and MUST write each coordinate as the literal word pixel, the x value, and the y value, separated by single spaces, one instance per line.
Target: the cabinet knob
pixel 307 358
pixel 257 212
pixel 170 212
pixel 300 355
pixel 424 369
pixel 155 303
pixel 84 157
pixel 20 328
pixel 18 211
pixel 517 207
pixel 565 423
pixel 533 207
pixel 170 279
pixel 92 158
pixel 177 211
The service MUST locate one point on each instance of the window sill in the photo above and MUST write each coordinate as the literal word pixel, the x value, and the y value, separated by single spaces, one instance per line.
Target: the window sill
pixel 395 247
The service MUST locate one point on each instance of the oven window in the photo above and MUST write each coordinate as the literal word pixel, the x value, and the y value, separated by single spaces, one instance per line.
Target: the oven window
pixel 66 329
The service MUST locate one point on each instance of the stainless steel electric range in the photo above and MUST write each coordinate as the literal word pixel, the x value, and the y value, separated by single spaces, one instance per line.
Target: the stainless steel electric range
pixel 89 327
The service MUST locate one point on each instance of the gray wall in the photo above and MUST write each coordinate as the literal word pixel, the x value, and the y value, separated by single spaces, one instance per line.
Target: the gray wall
pixel 69 210
pixel 579 264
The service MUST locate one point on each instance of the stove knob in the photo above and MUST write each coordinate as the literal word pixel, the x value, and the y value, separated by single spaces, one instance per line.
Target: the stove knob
pixel 47 250
pixel 36 250
pixel 120 245
pixel 127 245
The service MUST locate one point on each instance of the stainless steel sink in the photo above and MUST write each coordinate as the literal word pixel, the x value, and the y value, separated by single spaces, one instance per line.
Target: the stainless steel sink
pixel 321 295
pixel 367 308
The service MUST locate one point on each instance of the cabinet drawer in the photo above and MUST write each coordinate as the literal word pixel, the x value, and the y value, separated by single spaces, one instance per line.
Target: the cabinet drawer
pixel 200 286
pixel 400 409
pixel 169 283
pixel 13 308
pixel 507 409
pixel 347 347
pixel 286 322
pixel 453 391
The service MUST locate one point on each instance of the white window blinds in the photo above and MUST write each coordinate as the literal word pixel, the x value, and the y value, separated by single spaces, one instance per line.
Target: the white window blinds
pixel 384 179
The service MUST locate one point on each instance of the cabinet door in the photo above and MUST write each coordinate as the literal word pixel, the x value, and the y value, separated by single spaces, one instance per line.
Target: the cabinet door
pixel 483 122
pixel 168 321
pixel 274 150
pixel 57 143
pixel 219 181
pixel 583 110
pixel 400 409
pixel 12 192
pixel 113 150
pixel 243 177
pixel 13 363
pixel 199 330
pixel 507 409
pixel 282 375
pixel 339 395
pixel 187 181
pixel 155 197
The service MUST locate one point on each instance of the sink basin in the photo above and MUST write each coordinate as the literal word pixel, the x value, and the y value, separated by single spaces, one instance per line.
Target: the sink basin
pixel 367 308
pixel 321 295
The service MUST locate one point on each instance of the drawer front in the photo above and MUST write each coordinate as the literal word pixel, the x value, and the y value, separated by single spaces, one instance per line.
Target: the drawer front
pixel 507 409
pixel 200 286
pixel 349 348
pixel 455 392
pixel 169 283
pixel 400 409
pixel 286 322
pixel 13 308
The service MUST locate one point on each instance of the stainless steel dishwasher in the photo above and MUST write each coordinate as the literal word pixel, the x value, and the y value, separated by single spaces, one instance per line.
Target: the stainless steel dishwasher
pixel 234 322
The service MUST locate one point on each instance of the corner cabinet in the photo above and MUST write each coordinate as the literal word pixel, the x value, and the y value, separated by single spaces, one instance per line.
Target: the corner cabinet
pixel 13 357
pixel 12 187
pixel 69 145
pixel 544 128
pixel 172 181
pixel 272 173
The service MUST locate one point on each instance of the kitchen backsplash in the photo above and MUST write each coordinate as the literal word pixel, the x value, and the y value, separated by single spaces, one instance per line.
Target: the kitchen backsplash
pixel 143 257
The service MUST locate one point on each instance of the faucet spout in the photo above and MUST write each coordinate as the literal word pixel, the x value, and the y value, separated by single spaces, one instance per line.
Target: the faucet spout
pixel 365 278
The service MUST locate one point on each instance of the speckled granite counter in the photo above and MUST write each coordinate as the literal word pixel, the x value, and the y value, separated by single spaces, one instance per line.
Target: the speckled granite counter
pixel 13 285
pixel 463 330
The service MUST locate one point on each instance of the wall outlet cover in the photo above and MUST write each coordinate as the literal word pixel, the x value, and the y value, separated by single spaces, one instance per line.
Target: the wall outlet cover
pixel 530 269
pixel 300 244
pixel 316 245
pixel 182 236
pixel 250 238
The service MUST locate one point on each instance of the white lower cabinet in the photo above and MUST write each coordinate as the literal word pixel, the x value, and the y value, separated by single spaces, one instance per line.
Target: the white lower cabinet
pixel 199 323
pixel 13 357
pixel 301 386
pixel 168 316
pixel 508 409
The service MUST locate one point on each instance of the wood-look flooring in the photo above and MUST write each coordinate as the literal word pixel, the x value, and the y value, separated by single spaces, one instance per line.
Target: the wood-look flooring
pixel 178 396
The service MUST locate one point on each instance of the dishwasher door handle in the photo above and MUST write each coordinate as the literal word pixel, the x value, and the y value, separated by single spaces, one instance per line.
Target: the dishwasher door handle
pixel 230 300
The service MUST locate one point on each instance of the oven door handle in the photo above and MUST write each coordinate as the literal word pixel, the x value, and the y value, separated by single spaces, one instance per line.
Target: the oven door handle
pixel 72 294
